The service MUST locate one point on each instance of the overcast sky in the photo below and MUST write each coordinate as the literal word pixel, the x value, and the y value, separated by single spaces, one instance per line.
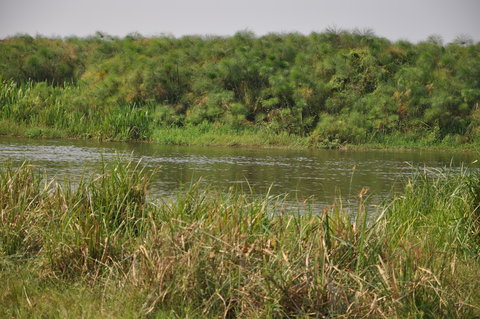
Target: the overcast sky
pixel 413 20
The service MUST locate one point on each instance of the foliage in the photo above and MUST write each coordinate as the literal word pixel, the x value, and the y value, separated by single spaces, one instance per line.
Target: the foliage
pixel 352 87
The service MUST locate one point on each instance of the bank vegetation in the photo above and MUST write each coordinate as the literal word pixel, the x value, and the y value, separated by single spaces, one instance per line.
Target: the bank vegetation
pixel 324 89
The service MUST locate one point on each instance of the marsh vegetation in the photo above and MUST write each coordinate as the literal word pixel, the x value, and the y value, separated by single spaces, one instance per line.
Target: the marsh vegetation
pixel 102 249
pixel 325 89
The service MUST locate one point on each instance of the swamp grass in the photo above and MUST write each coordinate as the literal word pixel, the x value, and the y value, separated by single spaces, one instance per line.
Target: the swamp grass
pixel 329 89
pixel 207 134
pixel 102 249
pixel 39 110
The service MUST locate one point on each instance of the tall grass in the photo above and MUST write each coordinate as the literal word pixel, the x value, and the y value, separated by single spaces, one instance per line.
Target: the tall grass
pixel 226 135
pixel 209 254
pixel 41 110
pixel 38 109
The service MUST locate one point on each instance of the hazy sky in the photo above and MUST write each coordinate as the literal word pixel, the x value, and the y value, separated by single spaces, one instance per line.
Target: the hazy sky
pixel 413 20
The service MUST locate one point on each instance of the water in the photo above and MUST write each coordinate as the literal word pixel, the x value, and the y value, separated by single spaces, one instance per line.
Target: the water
pixel 322 175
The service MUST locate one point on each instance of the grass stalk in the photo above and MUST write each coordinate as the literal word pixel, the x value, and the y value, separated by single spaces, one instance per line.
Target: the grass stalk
pixel 211 254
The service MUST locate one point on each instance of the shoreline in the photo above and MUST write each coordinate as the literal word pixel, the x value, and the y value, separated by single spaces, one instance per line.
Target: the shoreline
pixel 239 143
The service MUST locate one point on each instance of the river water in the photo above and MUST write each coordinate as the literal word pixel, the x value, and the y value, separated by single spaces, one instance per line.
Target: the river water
pixel 321 175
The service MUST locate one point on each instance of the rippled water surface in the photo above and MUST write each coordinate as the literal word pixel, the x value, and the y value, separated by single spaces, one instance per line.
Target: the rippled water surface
pixel 321 174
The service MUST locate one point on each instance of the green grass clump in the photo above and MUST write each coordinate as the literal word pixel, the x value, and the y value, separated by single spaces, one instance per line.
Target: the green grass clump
pixel 93 248
pixel 224 135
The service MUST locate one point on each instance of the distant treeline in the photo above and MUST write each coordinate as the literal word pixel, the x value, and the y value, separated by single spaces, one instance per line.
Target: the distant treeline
pixel 336 86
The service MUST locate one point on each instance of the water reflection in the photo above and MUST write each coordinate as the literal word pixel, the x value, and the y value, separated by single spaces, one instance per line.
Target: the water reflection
pixel 323 174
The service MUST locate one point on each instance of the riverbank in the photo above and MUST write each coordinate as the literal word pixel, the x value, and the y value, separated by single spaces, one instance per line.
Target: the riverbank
pixel 329 90
pixel 102 249
pixel 208 134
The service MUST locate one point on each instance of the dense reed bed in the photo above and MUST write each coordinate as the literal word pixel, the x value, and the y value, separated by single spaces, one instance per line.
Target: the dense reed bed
pixel 325 89
pixel 102 249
